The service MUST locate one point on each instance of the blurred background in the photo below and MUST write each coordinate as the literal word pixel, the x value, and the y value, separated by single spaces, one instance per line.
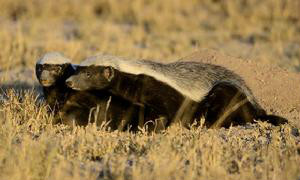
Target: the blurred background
pixel 260 30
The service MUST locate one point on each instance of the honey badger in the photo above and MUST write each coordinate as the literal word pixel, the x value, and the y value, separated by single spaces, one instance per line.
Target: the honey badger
pixel 177 91
pixel 52 70
pixel 71 106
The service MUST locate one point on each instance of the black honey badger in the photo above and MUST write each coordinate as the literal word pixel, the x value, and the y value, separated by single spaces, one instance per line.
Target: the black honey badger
pixel 52 69
pixel 179 91
pixel 78 107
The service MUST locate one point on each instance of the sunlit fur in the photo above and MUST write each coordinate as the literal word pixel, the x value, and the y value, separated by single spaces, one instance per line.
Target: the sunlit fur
pixel 53 58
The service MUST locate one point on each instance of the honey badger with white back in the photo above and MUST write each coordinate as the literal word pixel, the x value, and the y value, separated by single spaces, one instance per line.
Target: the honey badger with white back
pixel 178 91
pixel 71 106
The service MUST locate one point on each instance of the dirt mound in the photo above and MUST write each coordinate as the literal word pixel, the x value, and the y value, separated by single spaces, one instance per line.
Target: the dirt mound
pixel 276 89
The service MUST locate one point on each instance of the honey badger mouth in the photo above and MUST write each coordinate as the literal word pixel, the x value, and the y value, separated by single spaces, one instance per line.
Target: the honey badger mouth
pixel 46 83
pixel 46 78
pixel 70 84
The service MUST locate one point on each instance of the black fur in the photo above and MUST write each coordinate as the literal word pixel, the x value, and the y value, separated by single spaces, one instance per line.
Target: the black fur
pixel 85 107
pixel 74 107
pixel 225 104
pixel 228 105
pixel 56 91
pixel 143 89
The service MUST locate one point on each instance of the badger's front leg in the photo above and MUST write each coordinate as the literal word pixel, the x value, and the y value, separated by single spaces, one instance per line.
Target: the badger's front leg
pixel 141 117
pixel 160 124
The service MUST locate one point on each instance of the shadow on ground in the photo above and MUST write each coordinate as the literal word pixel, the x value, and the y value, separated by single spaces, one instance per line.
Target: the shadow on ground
pixel 19 88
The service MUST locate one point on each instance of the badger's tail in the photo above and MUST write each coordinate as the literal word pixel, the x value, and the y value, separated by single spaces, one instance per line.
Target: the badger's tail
pixel 273 119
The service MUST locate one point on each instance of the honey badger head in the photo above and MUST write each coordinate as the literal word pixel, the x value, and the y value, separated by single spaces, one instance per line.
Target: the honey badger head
pixel 53 67
pixel 91 77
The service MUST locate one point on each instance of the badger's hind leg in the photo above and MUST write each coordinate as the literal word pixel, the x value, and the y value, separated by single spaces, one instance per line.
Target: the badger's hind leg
pixel 187 112
pixel 227 105
pixel 273 119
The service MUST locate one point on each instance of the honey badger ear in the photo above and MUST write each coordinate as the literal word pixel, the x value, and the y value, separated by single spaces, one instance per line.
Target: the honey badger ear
pixel 108 73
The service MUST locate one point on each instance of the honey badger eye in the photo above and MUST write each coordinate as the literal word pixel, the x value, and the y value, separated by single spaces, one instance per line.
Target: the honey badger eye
pixel 88 74
pixel 58 68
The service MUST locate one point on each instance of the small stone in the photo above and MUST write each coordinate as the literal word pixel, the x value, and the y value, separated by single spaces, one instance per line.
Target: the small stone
pixel 249 126
pixel 233 167
pixel 97 158
pixel 187 162
pixel 129 162
pixel 295 132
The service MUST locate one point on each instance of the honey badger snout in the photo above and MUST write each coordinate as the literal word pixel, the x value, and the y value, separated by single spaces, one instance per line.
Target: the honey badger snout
pixel 46 79
pixel 75 82
pixel 45 76
pixel 69 82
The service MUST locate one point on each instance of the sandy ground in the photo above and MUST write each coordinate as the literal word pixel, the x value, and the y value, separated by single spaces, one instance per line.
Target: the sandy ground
pixel 276 89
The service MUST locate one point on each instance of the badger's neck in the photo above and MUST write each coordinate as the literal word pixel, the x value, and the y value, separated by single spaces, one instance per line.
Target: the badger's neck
pixel 69 71
pixel 127 86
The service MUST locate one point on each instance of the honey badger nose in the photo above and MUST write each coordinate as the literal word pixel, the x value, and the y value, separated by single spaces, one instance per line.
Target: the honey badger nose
pixel 69 83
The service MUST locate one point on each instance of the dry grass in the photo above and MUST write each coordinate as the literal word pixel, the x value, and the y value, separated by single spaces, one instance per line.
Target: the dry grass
pixel 31 148
pixel 266 30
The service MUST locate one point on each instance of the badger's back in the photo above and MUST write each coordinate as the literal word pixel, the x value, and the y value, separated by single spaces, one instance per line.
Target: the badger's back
pixel 200 78
pixel 194 80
